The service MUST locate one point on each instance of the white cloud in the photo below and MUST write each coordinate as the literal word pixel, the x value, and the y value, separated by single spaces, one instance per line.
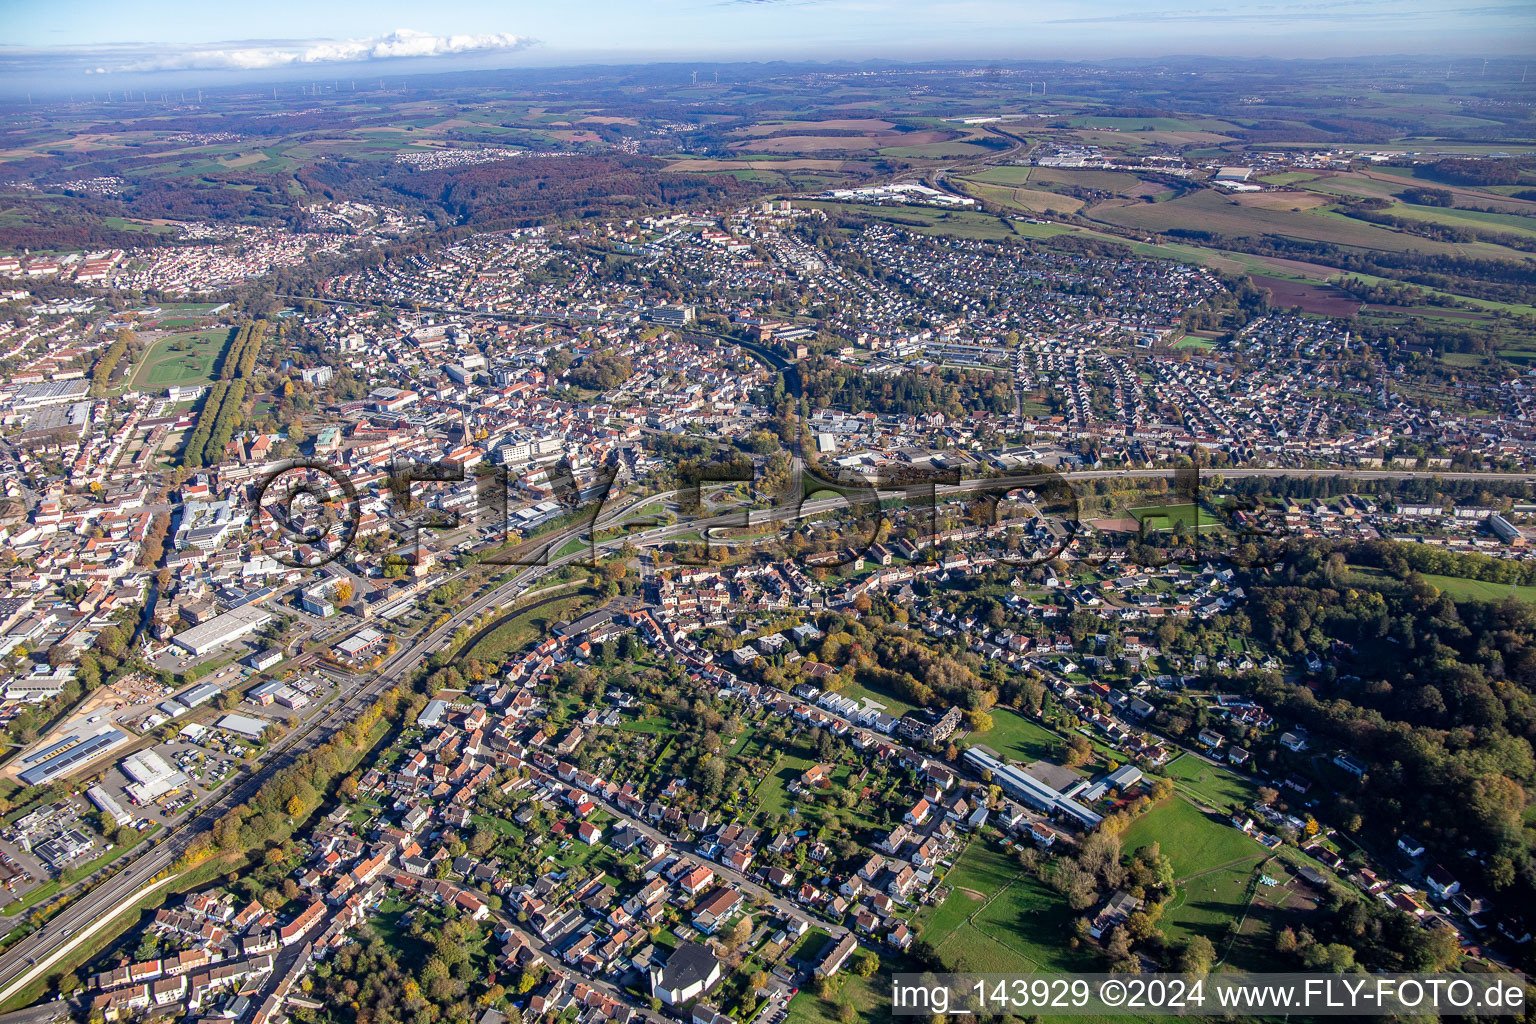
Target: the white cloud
pixel 400 43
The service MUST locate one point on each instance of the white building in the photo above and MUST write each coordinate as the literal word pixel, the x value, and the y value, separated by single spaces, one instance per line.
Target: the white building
pixel 222 629
pixel 151 776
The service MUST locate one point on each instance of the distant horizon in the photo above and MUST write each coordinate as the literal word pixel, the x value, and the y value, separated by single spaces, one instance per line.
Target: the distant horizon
pixel 79 44
pixel 51 76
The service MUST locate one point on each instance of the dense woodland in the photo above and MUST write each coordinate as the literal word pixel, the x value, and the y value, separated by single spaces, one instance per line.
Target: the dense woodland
pixel 832 384
pixel 1467 171
pixel 1437 696
pixel 530 191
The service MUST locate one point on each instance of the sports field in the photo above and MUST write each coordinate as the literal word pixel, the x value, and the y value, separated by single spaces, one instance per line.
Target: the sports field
pixel 1169 517
pixel 180 359
pixel 1194 341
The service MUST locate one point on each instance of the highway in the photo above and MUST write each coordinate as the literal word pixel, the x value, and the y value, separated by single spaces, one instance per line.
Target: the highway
pixel 792 511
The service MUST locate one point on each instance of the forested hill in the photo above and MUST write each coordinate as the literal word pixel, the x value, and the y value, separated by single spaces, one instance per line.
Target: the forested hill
pixel 1435 695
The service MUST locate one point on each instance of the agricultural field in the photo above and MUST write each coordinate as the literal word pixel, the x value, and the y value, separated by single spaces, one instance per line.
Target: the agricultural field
pixel 938 151
pixel 838 124
pixel 1513 223
pixel 929 221
pixel 125 224
pixel 1288 177
pixel 1207 210
pixel 1135 126
pixel 755 164
pixel 809 144
pixel 1008 174
pixel 1319 300
pixel 1024 200
pixel 1117 183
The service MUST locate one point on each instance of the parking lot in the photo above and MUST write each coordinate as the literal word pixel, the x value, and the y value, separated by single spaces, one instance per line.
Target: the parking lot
pixel 43 842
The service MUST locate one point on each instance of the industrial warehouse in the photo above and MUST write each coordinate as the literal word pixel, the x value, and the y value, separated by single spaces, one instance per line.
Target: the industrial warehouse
pixel 1021 786
pixel 222 629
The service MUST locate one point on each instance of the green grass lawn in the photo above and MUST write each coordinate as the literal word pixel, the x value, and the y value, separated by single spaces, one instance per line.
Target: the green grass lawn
pixel 1209 784
pixel 1192 841
pixel 1288 177
pixel 893 706
pixel 1511 222
pixel 572 546
pixel 1012 174
pixel 124 224
pixel 163 368
pixel 1271 909
pixel 1168 517
pixel 999 920
pixel 1212 863
pixel 870 997
pixel 653 726
pixel 1206 904
pixel 526 628
pixel 1460 588
pixel 981 869
pixel 772 794
pixel 1026 201
pixel 1031 921
pixel 1479 590
pixel 1194 341
pixel 1014 736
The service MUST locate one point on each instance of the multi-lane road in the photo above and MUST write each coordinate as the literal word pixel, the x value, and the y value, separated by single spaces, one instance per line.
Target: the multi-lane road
pixel 38 955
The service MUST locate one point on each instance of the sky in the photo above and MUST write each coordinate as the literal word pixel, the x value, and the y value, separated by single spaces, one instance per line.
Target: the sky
pixel 76 42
